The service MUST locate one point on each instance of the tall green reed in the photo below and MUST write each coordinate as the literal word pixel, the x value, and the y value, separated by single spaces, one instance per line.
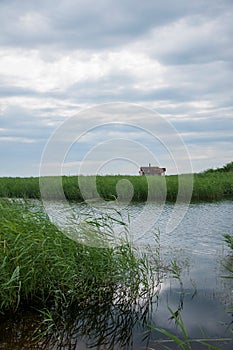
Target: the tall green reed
pixel 41 265
pixel 207 186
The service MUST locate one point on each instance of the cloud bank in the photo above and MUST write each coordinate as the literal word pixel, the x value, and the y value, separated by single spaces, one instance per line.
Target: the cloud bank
pixel 59 58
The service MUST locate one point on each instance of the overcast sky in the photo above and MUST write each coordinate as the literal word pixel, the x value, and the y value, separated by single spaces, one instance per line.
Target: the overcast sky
pixel 169 63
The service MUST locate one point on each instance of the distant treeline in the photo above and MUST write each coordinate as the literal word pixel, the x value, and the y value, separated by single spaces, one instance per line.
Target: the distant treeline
pixel 209 185
pixel 225 169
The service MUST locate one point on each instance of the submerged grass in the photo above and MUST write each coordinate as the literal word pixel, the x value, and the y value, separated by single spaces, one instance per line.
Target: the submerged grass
pixel 206 186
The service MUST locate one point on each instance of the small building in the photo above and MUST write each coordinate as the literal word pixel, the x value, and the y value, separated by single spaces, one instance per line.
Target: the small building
pixel 152 170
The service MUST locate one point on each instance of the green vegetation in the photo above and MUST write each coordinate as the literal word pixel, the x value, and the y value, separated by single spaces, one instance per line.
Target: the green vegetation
pixel 206 186
pixel 19 187
pixel 184 342
pixel 42 269
pixel 229 262
pixel 212 186
pixel 41 266
pixel 225 169
pixel 229 240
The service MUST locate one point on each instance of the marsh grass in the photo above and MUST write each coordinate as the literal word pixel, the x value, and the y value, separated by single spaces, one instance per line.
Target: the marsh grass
pixel 76 288
pixel 213 186
pixel 207 186
pixel 228 262
pixel 19 187
pixel 39 265
pixel 229 240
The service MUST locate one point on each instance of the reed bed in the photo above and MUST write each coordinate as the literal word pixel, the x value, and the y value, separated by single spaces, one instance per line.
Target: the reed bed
pixel 71 283
pixel 207 186
pixel 41 266
pixel 19 187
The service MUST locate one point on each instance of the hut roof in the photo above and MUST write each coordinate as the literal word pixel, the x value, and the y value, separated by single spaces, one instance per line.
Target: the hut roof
pixel 152 170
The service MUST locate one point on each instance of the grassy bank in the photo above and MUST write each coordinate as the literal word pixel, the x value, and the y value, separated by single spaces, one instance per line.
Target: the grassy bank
pixel 40 266
pixel 206 186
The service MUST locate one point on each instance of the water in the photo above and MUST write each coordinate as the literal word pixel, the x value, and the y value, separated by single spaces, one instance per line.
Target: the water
pixel 198 293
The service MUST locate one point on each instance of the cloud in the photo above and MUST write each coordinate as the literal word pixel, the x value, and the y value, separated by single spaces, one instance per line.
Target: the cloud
pixel 171 57
pixel 195 40
pixel 83 24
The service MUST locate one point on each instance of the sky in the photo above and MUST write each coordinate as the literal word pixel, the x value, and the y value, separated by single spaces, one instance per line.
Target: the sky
pixel 108 86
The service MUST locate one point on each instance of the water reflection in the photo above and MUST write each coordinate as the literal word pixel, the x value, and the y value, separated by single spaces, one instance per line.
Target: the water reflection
pixel 16 331
pixel 119 323
pixel 109 325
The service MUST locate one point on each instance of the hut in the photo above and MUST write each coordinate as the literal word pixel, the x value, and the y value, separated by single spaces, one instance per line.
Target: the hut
pixel 152 170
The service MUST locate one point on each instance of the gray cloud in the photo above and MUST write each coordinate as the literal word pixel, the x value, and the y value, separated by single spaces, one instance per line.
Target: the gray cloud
pixel 10 91
pixel 57 58
pixel 19 122
pixel 85 24
pixel 196 39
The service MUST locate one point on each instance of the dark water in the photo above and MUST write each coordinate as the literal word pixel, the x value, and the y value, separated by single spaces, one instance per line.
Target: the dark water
pixel 198 293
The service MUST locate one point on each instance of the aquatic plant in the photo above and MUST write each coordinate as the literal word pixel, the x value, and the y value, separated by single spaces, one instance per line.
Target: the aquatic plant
pixel 41 268
pixel 228 262
pixel 229 240
pixel 40 265
pixel 184 341
pixel 206 186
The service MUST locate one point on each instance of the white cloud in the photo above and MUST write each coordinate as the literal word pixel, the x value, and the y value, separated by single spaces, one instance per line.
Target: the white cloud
pixel 27 69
